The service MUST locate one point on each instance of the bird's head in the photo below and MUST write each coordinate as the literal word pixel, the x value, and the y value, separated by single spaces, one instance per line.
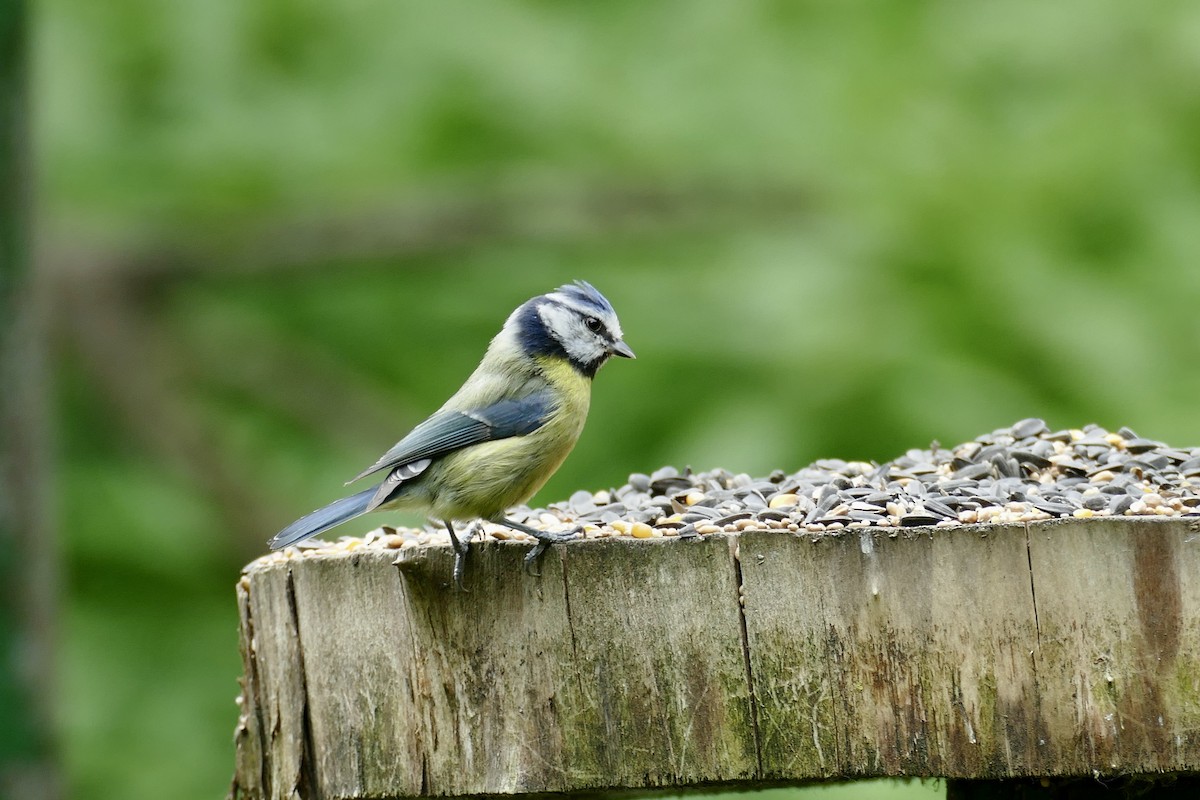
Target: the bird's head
pixel 574 322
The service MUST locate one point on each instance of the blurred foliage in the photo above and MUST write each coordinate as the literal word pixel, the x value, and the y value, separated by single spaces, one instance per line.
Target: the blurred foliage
pixel 283 231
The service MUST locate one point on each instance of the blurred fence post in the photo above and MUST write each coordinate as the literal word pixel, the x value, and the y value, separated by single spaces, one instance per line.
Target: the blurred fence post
pixel 28 763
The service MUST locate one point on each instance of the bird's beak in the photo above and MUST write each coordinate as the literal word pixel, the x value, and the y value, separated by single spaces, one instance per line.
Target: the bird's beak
pixel 619 348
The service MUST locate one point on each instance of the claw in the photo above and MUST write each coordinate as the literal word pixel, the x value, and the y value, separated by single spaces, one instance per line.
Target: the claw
pixel 460 567
pixel 461 548
pixel 532 556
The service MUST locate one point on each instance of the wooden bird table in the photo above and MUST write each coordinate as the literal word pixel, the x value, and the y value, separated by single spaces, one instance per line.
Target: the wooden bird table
pixel 1048 659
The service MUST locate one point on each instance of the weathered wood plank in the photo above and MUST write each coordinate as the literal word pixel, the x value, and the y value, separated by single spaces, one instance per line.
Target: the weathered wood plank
pixel 443 676
pixel 248 735
pixel 274 686
pixel 629 676
pixel 1119 615
pixel 657 657
pixel 978 652
pixel 886 655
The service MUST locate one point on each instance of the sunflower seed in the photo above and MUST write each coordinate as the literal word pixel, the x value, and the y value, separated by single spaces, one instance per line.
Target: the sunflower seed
pixel 1029 427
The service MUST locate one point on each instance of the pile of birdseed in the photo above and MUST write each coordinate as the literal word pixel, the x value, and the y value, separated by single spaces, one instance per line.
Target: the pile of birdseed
pixel 1019 474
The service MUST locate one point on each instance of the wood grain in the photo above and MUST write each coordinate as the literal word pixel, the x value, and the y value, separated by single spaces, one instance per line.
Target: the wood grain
pixel 979 652
pixel 1119 620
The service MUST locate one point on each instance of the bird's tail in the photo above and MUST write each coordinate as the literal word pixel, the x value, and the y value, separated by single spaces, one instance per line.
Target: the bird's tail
pixel 323 519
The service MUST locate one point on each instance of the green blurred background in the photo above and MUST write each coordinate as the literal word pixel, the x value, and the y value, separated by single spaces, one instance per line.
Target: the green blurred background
pixel 278 233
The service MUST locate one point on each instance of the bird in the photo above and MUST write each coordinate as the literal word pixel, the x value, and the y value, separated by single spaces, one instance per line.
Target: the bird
pixel 501 436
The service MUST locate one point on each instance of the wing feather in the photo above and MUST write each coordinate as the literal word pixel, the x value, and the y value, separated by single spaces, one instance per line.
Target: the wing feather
pixel 447 431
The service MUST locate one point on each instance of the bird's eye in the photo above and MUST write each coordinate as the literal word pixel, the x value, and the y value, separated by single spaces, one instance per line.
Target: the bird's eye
pixel 594 325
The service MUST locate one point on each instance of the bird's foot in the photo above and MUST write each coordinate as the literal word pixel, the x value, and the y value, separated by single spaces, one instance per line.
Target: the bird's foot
pixel 460 568
pixel 544 540
pixel 461 548
pixel 543 544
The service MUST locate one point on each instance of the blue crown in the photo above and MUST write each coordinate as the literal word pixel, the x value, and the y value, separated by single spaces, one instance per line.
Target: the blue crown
pixel 587 296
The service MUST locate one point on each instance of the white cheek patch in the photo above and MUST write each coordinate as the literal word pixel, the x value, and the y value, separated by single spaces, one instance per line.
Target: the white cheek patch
pixel 567 327
pixel 607 317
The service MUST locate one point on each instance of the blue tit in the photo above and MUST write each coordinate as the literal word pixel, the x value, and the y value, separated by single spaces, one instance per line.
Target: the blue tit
pixel 503 434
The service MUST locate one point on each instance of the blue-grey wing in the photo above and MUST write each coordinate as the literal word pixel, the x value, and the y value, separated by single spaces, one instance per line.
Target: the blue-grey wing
pixel 447 431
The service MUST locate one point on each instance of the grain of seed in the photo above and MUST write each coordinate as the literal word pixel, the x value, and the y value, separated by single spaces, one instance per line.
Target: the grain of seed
pixel 640 530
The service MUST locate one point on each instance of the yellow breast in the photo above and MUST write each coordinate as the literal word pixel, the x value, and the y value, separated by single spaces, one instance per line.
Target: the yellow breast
pixel 487 479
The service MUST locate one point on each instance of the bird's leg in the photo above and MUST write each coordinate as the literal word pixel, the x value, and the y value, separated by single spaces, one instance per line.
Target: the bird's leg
pixel 544 540
pixel 460 555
